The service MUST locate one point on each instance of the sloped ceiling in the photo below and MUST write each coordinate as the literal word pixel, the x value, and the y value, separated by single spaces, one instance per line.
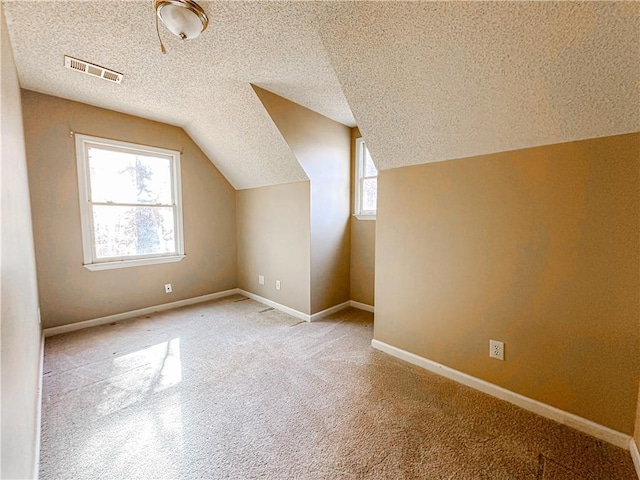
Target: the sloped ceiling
pixel 202 85
pixel 433 81
pixel 426 81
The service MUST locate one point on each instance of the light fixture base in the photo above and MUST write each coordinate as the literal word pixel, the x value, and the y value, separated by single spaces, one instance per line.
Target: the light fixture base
pixel 184 18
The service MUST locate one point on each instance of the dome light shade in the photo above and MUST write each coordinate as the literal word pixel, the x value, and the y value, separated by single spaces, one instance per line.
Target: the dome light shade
pixel 183 18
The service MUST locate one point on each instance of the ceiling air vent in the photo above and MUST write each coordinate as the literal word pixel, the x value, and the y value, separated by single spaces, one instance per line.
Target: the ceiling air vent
pixel 92 69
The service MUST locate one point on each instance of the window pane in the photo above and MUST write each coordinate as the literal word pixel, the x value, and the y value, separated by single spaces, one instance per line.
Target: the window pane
pixel 127 231
pixel 129 178
pixel 369 168
pixel 369 194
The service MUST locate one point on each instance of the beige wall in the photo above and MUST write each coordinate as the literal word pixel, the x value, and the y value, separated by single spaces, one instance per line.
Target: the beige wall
pixel 21 336
pixel 363 243
pixel 322 146
pixel 537 248
pixel 69 292
pixel 273 241
pixel 636 431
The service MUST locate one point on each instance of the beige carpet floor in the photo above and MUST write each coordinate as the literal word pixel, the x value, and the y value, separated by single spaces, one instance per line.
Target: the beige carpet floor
pixel 233 389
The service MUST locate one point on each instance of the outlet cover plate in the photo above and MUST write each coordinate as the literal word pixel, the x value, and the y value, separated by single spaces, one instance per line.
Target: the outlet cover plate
pixel 261 279
pixel 496 349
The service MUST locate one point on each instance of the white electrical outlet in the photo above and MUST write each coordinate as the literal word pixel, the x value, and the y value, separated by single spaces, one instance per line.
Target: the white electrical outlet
pixel 261 279
pixel 277 284
pixel 168 288
pixel 496 349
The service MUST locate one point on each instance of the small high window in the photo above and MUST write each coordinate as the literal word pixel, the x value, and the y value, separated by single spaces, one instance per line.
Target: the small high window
pixel 366 183
pixel 130 203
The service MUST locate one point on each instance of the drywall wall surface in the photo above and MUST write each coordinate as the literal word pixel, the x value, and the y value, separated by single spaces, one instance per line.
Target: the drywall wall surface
pixel 273 241
pixel 363 242
pixel 322 146
pixel 20 332
pixel 68 291
pixel 636 430
pixel 537 248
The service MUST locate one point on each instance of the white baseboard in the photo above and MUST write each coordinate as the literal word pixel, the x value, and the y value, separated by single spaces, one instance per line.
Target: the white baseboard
pixel 48 332
pixel 361 306
pixel 36 460
pixel 582 424
pixel 276 305
pixel 635 456
pixel 295 313
pixel 330 310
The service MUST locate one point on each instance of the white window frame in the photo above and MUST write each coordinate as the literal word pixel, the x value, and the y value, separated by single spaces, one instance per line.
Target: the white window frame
pixel 83 143
pixel 361 214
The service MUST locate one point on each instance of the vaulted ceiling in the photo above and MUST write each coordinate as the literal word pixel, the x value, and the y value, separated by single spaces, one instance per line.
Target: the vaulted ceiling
pixel 425 81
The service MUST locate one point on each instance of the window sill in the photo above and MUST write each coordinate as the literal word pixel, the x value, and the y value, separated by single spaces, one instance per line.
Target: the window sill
pixel 138 262
pixel 364 217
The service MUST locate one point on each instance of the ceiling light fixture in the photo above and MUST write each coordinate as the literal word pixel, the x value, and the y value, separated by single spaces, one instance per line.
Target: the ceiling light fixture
pixel 184 18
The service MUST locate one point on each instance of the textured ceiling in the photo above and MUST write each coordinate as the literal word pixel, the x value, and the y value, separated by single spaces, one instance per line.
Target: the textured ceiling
pixel 425 81
pixel 431 81
pixel 202 85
